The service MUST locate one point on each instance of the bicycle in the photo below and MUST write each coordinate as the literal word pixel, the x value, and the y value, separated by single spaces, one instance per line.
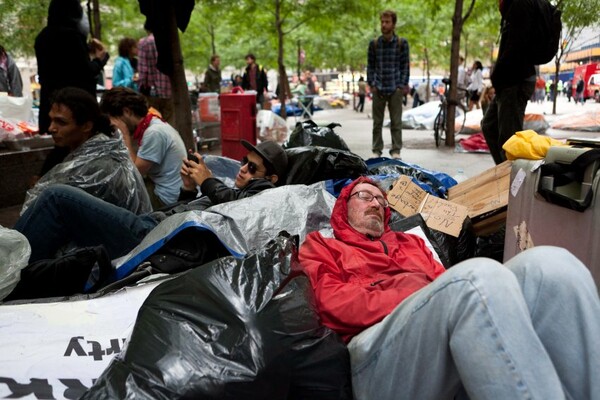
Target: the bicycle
pixel 439 124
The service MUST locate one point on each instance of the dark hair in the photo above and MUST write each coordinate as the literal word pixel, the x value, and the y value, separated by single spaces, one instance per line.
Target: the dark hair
pixel 116 99
pixel 478 64
pixel 214 57
pixel 84 108
pixel 125 46
pixel 64 12
pixel 252 56
pixel 389 13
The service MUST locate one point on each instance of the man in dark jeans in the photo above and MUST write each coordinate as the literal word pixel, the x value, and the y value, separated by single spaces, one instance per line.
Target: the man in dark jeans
pixel 63 214
pixel 513 78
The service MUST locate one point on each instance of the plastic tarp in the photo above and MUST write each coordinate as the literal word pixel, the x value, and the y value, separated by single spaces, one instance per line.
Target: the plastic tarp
pixel 231 329
pixel 102 167
pixel 271 126
pixel 242 225
pixel 423 116
pixel 587 121
pixel 387 170
pixel 14 256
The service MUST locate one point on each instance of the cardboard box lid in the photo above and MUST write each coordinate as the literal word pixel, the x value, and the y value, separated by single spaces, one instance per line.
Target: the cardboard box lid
pixel 408 199
pixel 485 194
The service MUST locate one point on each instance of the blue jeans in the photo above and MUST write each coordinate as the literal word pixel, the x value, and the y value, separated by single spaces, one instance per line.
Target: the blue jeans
pixel 526 330
pixel 64 214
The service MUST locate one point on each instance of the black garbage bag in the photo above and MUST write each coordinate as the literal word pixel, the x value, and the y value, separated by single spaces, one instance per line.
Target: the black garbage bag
pixel 82 270
pixel 308 133
pixel 450 249
pixel 310 164
pixel 492 245
pixel 231 329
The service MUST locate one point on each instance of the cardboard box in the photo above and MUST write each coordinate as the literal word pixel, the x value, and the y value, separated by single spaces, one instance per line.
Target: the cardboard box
pixel 408 199
pixel 486 197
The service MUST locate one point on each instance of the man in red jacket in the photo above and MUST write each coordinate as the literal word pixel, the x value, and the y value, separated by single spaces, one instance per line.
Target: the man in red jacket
pixel 416 331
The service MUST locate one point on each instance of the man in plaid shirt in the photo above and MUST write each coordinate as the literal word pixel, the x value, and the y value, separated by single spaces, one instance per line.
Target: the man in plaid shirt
pixel 388 70
pixel 153 84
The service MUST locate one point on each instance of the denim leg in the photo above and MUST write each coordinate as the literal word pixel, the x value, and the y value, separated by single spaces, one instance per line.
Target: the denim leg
pixel 565 311
pixel 64 214
pixel 471 327
pixel 395 108
pixel 379 102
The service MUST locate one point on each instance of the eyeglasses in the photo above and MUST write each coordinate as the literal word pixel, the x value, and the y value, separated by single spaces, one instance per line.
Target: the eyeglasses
pixel 368 197
pixel 252 167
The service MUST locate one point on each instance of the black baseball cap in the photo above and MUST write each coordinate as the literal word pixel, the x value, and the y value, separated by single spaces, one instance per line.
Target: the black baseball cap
pixel 273 155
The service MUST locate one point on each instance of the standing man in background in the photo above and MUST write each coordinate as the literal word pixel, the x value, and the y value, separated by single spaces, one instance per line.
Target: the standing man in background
pixel 513 77
pixel 153 84
pixel 212 76
pixel 255 78
pixel 388 70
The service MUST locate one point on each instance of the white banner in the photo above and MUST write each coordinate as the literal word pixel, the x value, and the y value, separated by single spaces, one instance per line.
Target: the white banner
pixel 57 350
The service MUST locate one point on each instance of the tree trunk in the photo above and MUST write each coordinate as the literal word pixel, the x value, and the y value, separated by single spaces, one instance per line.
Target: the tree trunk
pixel 93 8
pixel 211 32
pixel 182 111
pixel 457 23
pixel 283 83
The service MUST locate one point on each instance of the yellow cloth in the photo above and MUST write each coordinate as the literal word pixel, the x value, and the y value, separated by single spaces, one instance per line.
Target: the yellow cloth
pixel 528 144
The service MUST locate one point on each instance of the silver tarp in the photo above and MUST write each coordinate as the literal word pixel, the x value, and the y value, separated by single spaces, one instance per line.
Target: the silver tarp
pixel 243 225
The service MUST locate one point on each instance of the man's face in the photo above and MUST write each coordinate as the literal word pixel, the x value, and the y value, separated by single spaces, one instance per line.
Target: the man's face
pixel 64 129
pixel 249 61
pixel 387 26
pixel 252 167
pixel 367 217
pixel 216 62
pixel 126 123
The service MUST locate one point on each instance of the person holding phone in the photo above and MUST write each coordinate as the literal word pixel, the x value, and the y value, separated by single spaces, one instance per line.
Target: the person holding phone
pixel 66 215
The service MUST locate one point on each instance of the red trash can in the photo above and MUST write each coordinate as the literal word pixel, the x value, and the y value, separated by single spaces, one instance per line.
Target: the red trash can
pixel 238 121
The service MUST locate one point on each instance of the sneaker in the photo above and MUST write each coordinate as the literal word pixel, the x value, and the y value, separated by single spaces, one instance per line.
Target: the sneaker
pixel 396 156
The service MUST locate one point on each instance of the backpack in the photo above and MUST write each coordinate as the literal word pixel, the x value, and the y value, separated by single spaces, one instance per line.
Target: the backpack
pixel 545 27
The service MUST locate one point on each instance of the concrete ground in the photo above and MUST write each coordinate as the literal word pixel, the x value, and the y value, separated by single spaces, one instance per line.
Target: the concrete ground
pixel 418 145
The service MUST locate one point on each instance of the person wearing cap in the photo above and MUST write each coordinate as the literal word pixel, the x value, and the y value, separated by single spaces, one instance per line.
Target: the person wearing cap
pixel 64 215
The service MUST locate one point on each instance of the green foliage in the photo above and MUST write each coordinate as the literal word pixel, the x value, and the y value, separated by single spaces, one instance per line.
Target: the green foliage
pixel 333 34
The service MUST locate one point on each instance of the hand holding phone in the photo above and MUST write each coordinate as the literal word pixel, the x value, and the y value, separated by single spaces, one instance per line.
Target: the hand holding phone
pixel 193 158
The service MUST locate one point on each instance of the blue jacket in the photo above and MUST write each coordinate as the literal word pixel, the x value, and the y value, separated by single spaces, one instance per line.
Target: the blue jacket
pixel 123 73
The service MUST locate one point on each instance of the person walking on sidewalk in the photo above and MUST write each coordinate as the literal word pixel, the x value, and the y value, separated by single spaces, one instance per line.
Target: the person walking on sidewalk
pixel 388 70
pixel 362 93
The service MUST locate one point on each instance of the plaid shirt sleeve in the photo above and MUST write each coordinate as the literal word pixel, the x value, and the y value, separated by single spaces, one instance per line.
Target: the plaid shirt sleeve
pixel 371 63
pixel 403 71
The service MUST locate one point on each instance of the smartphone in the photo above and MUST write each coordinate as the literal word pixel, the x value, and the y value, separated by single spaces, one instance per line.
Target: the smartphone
pixel 193 158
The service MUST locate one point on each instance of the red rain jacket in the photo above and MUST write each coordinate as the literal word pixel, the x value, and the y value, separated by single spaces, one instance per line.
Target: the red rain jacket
pixel 359 280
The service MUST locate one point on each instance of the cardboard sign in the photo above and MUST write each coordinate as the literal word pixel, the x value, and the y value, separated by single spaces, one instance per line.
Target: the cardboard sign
pixel 408 198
